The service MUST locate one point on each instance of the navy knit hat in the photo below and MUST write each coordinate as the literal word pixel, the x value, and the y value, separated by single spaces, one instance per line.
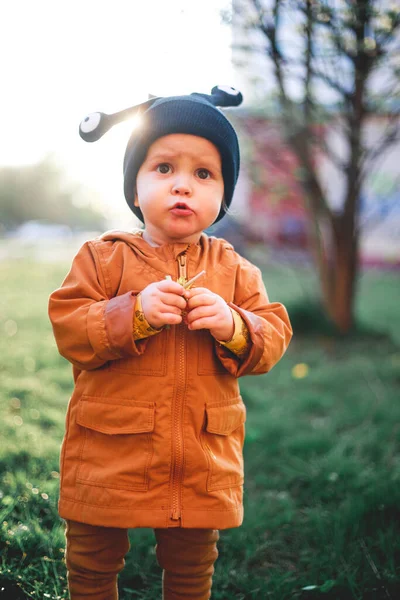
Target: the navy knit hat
pixel 195 114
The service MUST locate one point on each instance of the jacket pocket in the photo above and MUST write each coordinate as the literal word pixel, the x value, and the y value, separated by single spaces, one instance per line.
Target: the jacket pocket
pixel 152 362
pixel 117 445
pixel 222 441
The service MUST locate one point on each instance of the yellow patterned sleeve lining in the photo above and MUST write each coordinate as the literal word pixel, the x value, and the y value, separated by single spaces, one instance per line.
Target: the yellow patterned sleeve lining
pixel 240 341
pixel 141 327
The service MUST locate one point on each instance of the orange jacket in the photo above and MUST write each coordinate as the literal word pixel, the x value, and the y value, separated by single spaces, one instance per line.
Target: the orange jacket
pixel 155 428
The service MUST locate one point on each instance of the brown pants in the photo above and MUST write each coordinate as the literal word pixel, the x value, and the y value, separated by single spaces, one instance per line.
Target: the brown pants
pixel 95 556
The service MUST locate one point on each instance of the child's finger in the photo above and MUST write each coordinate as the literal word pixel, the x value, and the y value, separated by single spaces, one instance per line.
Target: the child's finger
pixel 171 318
pixel 166 309
pixel 200 312
pixel 166 285
pixel 201 300
pixel 173 300
pixel 196 291
pixel 203 323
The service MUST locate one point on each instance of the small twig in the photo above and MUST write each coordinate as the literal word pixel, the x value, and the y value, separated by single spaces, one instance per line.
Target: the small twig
pixel 186 285
pixel 189 283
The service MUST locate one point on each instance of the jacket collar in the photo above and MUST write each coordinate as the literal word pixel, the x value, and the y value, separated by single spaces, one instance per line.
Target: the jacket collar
pixel 159 254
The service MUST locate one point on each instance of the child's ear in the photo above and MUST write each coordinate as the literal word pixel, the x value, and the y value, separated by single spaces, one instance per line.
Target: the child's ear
pixel 136 200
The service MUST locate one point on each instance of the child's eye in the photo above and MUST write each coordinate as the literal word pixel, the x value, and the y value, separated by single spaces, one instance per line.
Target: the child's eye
pixel 163 168
pixel 203 174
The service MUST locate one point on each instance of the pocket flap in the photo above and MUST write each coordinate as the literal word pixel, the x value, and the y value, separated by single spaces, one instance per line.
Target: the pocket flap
pixel 223 419
pixel 115 418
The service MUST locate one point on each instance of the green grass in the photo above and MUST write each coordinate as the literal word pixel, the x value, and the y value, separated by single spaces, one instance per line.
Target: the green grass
pixel 322 460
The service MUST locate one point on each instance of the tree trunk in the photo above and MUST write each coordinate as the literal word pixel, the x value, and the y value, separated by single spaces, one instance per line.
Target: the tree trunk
pixel 335 249
pixel 341 275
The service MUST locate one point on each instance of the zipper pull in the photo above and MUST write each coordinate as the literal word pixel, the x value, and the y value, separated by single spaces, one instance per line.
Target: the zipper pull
pixel 175 515
pixel 182 274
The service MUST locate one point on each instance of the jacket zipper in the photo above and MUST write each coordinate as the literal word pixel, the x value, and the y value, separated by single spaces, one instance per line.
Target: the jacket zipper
pixel 177 456
pixel 182 270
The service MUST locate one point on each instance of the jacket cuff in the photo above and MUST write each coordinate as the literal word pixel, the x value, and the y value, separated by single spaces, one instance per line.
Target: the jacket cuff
pixel 240 341
pixel 141 327
pixel 110 328
pixel 256 328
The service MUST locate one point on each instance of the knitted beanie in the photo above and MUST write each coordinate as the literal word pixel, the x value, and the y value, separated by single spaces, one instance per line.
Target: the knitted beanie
pixel 196 114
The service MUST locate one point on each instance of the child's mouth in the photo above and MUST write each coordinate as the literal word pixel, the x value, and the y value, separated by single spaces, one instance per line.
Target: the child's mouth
pixel 181 209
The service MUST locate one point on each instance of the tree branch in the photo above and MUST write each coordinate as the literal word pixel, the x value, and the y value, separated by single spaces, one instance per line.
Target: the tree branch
pixel 332 156
pixel 362 68
pixel 277 59
pixel 334 85
pixel 390 137
pixel 370 220
pixel 308 61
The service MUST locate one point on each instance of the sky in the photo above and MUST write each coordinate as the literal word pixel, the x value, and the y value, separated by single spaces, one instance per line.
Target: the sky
pixel 63 60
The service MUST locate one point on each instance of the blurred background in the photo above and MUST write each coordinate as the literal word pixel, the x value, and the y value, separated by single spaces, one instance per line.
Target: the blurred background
pixel 317 208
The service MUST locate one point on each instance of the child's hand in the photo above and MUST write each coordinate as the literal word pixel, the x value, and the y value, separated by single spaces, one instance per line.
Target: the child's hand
pixel 207 310
pixel 163 303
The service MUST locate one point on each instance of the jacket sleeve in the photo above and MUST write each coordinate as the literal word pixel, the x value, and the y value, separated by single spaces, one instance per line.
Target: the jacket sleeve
pixel 268 325
pixel 89 327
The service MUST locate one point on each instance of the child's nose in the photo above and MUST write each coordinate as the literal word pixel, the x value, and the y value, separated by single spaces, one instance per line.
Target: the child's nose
pixel 181 186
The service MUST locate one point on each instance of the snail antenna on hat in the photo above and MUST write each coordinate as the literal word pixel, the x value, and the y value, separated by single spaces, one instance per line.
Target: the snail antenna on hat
pixel 96 124
pixel 223 95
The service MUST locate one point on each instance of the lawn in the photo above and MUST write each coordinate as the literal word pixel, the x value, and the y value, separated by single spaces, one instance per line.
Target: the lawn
pixel 322 459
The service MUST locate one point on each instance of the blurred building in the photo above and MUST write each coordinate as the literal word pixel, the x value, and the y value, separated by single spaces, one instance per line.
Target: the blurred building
pixel 271 206
pixel 269 201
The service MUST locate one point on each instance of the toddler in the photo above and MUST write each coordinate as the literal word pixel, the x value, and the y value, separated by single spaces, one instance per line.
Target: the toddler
pixel 155 425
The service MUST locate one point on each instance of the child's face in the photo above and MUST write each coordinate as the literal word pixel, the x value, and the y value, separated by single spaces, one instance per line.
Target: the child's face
pixel 179 188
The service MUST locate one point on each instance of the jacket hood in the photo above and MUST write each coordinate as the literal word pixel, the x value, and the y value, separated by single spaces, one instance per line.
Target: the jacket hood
pixel 160 257
pixel 135 239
